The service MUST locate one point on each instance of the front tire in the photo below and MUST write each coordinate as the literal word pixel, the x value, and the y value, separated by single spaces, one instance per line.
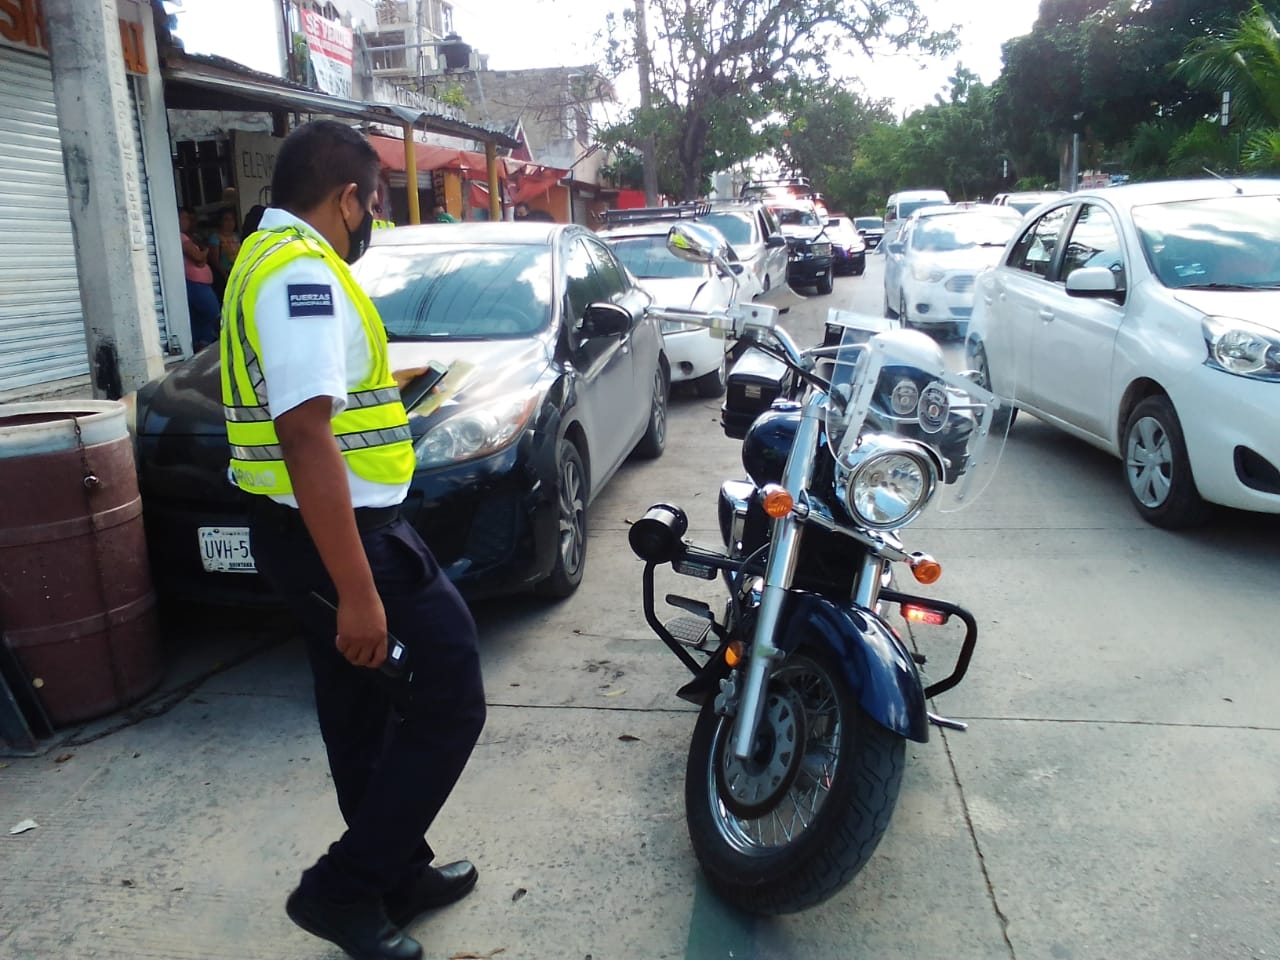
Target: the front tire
pixel 1157 469
pixel 827 282
pixel 830 778
pixel 571 506
pixel 711 385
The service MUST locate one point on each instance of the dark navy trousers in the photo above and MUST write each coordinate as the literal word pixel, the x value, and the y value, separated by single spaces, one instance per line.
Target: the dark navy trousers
pixel 396 747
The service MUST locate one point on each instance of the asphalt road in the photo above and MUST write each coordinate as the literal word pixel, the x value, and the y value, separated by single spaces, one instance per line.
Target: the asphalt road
pixel 1117 793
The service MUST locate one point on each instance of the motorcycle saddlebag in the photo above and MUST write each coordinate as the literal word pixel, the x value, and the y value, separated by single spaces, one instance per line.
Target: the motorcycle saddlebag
pixel 755 381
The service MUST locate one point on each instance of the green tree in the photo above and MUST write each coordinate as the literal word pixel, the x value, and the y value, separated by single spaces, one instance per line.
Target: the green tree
pixel 721 67
pixel 1244 60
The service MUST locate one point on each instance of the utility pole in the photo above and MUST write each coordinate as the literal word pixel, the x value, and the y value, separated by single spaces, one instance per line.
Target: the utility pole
pixel 100 154
pixel 648 148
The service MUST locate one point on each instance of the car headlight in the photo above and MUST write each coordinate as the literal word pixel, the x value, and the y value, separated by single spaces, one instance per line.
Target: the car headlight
pixel 927 272
pixel 1243 348
pixel 889 481
pixel 476 431
pixel 821 249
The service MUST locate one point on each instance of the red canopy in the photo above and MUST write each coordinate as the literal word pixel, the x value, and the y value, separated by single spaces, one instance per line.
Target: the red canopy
pixel 431 157
pixel 534 180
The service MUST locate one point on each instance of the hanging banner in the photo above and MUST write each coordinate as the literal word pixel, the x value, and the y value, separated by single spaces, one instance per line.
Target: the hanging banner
pixel 330 46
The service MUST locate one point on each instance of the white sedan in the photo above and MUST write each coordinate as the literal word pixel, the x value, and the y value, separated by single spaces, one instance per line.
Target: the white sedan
pixel 931 264
pixel 1145 320
pixel 696 354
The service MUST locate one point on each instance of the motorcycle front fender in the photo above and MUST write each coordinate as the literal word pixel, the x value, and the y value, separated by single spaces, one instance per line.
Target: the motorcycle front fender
pixel 877 665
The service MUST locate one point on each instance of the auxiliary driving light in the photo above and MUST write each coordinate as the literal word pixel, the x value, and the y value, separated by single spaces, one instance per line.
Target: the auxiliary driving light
pixel 656 537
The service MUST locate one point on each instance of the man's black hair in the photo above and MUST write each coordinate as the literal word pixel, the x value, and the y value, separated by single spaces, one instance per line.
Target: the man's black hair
pixel 316 159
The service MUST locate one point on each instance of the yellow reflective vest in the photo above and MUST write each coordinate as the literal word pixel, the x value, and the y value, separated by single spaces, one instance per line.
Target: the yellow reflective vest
pixel 372 432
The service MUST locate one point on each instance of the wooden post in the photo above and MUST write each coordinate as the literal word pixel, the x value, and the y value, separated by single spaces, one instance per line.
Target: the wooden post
pixel 411 174
pixel 495 199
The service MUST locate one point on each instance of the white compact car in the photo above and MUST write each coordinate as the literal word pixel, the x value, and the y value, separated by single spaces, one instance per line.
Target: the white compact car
pixel 1145 319
pixel 930 266
pixel 693 351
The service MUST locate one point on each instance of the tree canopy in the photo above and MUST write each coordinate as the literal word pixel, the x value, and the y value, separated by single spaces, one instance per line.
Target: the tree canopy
pixel 721 67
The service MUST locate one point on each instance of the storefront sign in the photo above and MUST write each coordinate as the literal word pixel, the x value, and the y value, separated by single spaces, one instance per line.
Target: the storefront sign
pixel 22 25
pixel 330 46
pixel 255 161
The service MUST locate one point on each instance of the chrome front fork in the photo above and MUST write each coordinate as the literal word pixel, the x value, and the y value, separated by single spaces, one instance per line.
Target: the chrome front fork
pixel 779 571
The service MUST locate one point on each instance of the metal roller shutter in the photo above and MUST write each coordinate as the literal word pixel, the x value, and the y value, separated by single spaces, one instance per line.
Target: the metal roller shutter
pixel 153 261
pixel 41 325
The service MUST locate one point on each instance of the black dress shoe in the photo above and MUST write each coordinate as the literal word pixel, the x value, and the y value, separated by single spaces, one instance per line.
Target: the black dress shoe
pixel 433 887
pixel 360 928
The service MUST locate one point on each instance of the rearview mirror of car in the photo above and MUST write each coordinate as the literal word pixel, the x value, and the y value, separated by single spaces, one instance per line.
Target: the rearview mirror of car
pixel 604 319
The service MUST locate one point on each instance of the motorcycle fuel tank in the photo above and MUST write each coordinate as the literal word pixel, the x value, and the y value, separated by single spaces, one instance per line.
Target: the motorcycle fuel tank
pixel 768 442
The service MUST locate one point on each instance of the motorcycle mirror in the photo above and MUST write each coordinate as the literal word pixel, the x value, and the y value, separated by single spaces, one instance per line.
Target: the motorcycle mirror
pixel 696 243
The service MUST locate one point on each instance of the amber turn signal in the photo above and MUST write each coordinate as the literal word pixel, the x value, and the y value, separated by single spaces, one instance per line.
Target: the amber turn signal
pixel 925 569
pixel 777 502
pixel 733 653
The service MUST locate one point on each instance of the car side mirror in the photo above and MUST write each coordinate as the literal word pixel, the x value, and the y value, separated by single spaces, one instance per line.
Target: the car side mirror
pixel 604 319
pixel 1096 283
pixel 896 246
pixel 775 241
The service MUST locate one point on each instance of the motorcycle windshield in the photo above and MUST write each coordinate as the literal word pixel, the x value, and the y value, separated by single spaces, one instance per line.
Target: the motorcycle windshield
pixel 897 406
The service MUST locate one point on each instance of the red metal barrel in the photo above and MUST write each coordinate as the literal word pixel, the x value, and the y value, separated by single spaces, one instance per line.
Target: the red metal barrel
pixel 77 608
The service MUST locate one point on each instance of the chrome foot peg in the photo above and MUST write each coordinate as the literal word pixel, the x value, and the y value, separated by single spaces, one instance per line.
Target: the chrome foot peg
pixel 947 723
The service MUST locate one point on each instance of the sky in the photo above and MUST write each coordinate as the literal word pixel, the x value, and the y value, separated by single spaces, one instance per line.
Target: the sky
pixel 517 34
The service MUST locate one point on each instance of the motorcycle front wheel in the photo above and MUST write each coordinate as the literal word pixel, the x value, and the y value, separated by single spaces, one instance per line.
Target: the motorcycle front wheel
pixel 788 827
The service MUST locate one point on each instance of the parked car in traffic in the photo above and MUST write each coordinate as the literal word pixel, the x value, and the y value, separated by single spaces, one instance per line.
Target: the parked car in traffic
pixel 902 204
pixel 848 248
pixel 532 372
pixel 809 249
pixel 872 230
pixel 1145 319
pixel 639 238
pixel 1027 200
pixel 931 265
pixel 755 236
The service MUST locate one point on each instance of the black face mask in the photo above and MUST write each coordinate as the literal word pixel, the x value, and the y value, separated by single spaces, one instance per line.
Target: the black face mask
pixel 358 239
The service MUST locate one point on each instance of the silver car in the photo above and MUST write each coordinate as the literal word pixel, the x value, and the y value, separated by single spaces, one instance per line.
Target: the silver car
pixel 756 238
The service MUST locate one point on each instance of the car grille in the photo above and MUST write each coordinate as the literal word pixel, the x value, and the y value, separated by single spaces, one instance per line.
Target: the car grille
pixel 960 283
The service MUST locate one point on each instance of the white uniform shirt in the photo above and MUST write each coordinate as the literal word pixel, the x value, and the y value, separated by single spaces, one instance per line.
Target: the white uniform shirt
pixel 313 345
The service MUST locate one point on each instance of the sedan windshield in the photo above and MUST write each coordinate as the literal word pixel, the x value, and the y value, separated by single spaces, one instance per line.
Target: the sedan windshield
pixel 1220 243
pixel 475 292
pixel 794 217
pixel 649 257
pixel 962 231
pixel 736 227
pixel 869 223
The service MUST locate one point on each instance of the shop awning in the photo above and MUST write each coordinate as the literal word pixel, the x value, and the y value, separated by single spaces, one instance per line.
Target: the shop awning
pixel 200 82
pixel 431 157
pixel 533 180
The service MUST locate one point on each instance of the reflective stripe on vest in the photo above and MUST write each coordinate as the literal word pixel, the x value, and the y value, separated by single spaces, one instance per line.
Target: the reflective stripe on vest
pixel 372 432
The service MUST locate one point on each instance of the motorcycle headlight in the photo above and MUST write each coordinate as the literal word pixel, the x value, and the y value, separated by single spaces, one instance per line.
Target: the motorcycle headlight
pixel 889 481
pixel 1243 348
pixel 476 431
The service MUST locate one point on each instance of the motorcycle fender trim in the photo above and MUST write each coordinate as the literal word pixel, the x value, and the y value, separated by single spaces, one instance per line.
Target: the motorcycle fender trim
pixel 876 663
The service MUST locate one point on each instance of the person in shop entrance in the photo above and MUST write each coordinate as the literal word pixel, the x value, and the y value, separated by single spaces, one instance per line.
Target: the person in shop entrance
pixel 321 445
pixel 202 301
pixel 224 245
pixel 441 215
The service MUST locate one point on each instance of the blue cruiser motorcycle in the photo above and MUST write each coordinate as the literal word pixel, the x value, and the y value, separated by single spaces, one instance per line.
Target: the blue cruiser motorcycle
pixel 808 694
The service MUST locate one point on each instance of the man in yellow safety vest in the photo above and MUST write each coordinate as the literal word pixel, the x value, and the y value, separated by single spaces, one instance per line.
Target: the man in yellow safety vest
pixel 320 442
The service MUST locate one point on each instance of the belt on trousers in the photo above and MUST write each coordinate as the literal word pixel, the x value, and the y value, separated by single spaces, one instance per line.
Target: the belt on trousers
pixel 367 518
